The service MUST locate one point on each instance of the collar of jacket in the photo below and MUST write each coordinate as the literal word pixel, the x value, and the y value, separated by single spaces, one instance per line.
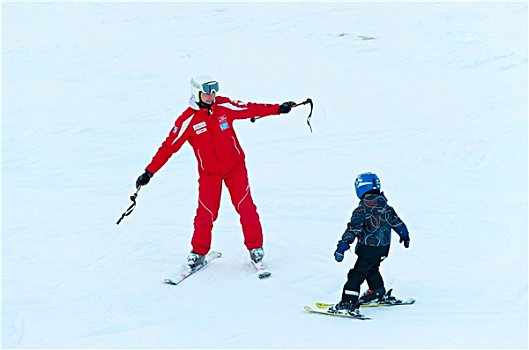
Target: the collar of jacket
pixel 197 106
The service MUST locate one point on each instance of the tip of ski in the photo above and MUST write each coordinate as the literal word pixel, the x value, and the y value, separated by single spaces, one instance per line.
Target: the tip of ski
pixel 170 281
pixel 262 271
pixel 264 274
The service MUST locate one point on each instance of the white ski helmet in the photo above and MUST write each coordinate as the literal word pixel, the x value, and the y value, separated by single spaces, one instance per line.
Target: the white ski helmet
pixel 203 83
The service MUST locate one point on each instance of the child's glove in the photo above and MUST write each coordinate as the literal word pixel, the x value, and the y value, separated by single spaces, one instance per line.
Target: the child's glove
pixel 340 250
pixel 404 236
pixel 406 241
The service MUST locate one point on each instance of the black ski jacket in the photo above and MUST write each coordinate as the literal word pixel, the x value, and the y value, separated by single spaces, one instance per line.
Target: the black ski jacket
pixel 372 221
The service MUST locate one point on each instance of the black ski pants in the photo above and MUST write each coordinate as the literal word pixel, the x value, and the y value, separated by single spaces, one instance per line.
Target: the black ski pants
pixel 366 269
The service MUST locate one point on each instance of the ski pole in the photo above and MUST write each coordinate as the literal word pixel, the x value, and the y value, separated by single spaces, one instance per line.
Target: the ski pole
pixel 308 100
pixel 296 105
pixel 132 206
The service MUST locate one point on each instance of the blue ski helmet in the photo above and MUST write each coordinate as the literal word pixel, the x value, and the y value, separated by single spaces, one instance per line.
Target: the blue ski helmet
pixel 366 182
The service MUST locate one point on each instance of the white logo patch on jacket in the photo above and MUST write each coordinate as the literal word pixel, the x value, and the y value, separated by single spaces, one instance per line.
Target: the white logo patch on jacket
pixel 200 128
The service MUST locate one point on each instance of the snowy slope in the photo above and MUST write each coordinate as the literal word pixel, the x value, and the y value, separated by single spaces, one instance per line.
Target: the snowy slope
pixel 430 96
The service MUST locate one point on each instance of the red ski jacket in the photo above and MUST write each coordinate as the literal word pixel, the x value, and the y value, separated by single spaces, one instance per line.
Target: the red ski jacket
pixel 210 132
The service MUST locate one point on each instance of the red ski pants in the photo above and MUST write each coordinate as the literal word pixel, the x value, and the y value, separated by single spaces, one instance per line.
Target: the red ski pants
pixel 209 193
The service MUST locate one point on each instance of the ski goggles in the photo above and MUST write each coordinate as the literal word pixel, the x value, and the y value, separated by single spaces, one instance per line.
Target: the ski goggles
pixel 211 87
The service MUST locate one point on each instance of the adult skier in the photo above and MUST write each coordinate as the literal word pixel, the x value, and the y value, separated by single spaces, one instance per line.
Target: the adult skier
pixel 371 224
pixel 207 124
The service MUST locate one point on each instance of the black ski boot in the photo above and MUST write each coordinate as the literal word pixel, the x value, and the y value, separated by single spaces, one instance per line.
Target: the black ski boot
pixel 373 296
pixel 257 255
pixel 194 260
pixel 346 307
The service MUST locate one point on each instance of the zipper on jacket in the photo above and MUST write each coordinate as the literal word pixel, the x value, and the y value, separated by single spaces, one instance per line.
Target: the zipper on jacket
pixel 200 158
pixel 235 145
pixel 214 143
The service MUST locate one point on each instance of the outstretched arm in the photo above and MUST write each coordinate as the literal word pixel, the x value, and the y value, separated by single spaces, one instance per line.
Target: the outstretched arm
pixel 249 110
pixel 174 141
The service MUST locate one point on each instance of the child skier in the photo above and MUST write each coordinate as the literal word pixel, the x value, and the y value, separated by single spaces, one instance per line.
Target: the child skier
pixel 371 225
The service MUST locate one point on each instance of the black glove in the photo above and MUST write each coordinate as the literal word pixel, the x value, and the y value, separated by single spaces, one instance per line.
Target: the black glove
pixel 340 249
pixel 143 179
pixel 406 241
pixel 286 107
pixel 404 236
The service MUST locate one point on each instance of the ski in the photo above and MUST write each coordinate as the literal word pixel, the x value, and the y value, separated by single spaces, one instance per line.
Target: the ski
pixel 381 304
pixel 262 271
pixel 388 301
pixel 212 255
pixel 394 302
pixel 328 312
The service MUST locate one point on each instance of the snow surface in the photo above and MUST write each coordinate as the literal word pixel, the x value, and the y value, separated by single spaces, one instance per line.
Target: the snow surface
pixel 430 96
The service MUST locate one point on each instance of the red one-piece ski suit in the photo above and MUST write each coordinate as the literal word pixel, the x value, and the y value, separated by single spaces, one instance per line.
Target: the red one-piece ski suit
pixel 220 159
